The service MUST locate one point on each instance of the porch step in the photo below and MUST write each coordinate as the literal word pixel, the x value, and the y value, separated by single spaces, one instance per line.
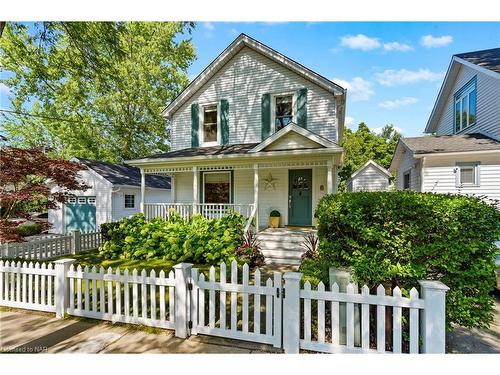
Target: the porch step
pixel 282 246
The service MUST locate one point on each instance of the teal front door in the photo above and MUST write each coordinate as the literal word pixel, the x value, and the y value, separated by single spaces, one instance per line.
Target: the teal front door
pixel 300 197
pixel 80 214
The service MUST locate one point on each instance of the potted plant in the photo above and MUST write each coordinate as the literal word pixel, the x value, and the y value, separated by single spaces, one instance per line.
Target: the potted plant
pixel 274 219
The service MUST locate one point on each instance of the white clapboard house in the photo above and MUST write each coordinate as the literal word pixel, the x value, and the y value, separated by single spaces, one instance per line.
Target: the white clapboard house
pixel 254 132
pixel 114 193
pixel 370 177
pixel 463 153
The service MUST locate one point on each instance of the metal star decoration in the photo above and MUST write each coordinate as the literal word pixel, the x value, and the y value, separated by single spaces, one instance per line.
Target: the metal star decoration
pixel 270 182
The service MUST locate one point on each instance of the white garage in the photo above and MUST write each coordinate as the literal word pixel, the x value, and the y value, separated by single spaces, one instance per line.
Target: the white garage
pixel 115 193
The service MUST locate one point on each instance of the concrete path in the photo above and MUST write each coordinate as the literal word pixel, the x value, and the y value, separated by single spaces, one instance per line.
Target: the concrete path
pixel 34 332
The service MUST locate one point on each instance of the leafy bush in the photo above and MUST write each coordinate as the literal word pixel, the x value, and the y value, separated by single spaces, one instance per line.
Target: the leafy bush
pixel 402 237
pixel 196 240
pixel 275 213
pixel 106 230
pixel 29 229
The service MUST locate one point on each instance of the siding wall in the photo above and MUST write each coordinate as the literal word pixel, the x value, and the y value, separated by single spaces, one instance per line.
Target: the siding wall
pixel 100 188
pixel 370 179
pixel 408 163
pixel 488 104
pixel 439 176
pixel 242 81
pixel 152 196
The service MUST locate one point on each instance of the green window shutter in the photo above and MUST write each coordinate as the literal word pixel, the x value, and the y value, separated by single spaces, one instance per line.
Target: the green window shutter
pixel 224 121
pixel 266 115
pixel 195 124
pixel 302 108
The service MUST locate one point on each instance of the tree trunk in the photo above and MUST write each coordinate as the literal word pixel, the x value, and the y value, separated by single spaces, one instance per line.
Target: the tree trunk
pixel 2 26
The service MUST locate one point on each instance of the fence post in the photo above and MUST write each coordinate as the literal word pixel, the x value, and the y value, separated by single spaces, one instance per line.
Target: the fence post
pixel 433 316
pixel 76 241
pixel 61 296
pixel 291 312
pixel 181 317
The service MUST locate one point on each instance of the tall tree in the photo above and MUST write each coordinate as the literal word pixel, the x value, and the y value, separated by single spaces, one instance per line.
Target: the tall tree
pixel 94 89
pixel 362 145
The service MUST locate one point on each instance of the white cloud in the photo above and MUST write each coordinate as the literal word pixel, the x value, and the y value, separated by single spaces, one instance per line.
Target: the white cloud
pixel 349 121
pixel 4 90
pixel 379 129
pixel 396 46
pixel 233 31
pixel 392 77
pixel 358 89
pixel 430 41
pixel 209 26
pixel 392 104
pixel 359 41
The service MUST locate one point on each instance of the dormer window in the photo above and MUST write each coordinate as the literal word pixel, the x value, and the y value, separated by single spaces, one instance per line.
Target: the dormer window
pixel 284 111
pixel 465 106
pixel 209 126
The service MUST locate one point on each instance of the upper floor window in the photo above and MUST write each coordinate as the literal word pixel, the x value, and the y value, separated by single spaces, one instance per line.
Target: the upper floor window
pixel 283 111
pixel 210 125
pixel 465 106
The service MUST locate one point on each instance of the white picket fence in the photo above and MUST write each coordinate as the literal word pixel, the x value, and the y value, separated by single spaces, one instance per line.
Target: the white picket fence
pixel 238 308
pixel 51 247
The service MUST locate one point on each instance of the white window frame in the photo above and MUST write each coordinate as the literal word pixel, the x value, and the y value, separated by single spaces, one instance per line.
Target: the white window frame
pixel 82 200
pixel 125 201
pixel 230 186
pixel 407 172
pixel 464 92
pixel 476 167
pixel 273 108
pixel 72 200
pixel 201 133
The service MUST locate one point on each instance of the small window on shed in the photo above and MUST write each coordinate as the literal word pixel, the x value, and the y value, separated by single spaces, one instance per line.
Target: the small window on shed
pixel 129 201
pixel 91 200
pixel 72 200
pixel 407 180
pixel 82 200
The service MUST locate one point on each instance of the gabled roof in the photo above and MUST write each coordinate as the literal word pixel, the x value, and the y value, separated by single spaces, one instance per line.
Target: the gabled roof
pixel 451 143
pixel 488 58
pixel 241 41
pixel 373 164
pixel 485 61
pixel 294 128
pixel 124 174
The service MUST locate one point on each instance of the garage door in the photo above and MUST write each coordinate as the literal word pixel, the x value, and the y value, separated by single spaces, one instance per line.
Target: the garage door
pixel 79 214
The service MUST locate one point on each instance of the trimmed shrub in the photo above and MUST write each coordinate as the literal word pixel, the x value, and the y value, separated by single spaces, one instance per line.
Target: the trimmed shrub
pixel 196 240
pixel 29 229
pixel 106 230
pixel 398 238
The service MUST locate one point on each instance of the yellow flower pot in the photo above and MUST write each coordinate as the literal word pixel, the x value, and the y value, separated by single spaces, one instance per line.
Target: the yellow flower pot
pixel 274 222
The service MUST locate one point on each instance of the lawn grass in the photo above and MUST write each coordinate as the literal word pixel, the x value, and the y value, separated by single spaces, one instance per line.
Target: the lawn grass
pixel 92 258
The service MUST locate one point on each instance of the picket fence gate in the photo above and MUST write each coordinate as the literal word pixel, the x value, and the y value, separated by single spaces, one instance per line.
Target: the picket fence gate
pixel 288 316
pixel 52 246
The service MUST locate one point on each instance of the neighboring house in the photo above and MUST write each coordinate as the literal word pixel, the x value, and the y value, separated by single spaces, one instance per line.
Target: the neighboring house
pixel 464 154
pixel 114 194
pixel 254 132
pixel 370 177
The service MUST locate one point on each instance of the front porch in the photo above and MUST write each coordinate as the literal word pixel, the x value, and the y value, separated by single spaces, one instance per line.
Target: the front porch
pixel 292 187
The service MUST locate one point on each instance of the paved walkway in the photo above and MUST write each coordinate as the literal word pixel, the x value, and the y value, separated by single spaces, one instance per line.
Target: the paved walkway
pixel 34 332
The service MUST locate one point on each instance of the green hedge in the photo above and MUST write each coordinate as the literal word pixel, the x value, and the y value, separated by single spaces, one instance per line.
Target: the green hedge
pixel 29 229
pixel 197 240
pixel 399 238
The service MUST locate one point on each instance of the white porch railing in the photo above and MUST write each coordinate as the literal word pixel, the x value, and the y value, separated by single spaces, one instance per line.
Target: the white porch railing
pixel 207 210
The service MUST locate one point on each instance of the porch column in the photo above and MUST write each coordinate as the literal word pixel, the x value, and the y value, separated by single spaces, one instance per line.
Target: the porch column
pixel 256 195
pixel 329 177
pixel 172 189
pixel 143 191
pixel 195 189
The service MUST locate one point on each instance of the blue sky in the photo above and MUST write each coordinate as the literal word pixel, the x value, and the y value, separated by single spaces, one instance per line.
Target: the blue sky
pixel 392 70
